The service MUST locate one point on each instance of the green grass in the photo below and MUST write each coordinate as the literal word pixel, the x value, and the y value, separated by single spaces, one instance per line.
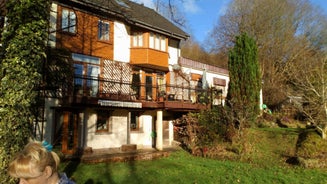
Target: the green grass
pixel 264 163
pixel 271 146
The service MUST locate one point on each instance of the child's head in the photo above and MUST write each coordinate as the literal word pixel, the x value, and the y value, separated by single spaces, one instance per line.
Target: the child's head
pixel 32 161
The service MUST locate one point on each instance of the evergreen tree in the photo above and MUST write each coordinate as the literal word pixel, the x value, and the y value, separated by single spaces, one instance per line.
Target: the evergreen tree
pixel 245 81
pixel 24 51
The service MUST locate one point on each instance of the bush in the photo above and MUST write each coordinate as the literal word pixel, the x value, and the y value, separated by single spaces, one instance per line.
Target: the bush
pixel 311 145
pixel 311 149
pixel 198 132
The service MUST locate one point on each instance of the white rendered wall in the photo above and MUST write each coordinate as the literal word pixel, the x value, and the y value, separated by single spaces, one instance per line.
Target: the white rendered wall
pixel 143 137
pixel 118 136
pixel 209 76
pixel 49 118
pixel 122 42
pixel 114 139
pixel 171 132
pixel 53 25
pixel 174 52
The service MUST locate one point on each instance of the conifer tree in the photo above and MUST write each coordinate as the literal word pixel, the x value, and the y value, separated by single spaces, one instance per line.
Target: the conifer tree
pixel 24 50
pixel 245 81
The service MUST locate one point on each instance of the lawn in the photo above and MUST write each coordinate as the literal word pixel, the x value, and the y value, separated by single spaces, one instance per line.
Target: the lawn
pixel 181 167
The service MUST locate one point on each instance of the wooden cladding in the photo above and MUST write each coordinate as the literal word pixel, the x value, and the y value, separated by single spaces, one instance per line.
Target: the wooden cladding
pixel 146 56
pixel 85 39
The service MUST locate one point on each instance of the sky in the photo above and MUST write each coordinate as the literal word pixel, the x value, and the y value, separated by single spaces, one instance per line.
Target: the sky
pixel 202 15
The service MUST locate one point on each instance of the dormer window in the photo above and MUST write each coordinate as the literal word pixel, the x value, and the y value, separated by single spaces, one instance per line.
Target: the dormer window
pixel 103 30
pixel 68 21
pixel 157 42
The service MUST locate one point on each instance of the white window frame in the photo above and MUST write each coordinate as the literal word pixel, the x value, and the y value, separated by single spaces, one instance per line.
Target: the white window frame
pixel 138 39
pixel 68 21
pixel 157 42
pixel 105 118
pixel 103 30
pixel 151 41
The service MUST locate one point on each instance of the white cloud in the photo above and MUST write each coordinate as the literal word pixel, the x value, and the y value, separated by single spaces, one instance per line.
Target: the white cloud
pixel 147 3
pixel 191 6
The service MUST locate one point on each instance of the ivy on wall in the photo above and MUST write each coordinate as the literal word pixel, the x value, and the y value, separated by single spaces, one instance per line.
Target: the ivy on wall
pixel 24 42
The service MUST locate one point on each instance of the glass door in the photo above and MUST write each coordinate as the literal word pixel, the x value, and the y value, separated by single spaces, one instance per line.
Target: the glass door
pixel 69 132
pixel 93 72
pixel 78 79
pixel 148 87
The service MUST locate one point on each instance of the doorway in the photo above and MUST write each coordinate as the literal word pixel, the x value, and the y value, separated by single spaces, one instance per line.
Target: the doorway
pixel 66 131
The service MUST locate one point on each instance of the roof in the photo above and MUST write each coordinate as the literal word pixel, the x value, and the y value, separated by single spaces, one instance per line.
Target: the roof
pixel 133 13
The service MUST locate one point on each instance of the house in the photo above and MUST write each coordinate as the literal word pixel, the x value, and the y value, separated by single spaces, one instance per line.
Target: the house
pixel 204 76
pixel 129 80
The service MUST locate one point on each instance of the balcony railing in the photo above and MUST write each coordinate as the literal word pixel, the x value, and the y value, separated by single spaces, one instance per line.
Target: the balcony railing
pixel 100 88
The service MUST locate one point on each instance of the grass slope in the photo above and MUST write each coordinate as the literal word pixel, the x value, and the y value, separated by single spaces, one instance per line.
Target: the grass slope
pixel 270 146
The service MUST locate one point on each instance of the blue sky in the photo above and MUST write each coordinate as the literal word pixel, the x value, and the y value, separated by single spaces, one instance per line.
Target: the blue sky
pixel 202 15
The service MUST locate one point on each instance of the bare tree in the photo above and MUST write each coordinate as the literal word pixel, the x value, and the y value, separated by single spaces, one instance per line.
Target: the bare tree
pixel 308 78
pixel 170 9
pixel 280 28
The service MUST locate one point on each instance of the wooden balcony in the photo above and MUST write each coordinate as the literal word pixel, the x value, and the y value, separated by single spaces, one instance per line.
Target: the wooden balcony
pixel 150 58
pixel 95 92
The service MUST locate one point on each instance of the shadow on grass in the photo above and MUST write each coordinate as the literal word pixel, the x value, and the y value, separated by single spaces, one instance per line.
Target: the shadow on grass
pixel 90 181
pixel 133 174
pixel 129 172
pixel 71 167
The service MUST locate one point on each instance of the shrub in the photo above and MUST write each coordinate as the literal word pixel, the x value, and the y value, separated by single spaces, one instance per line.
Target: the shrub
pixel 199 131
pixel 311 145
pixel 311 149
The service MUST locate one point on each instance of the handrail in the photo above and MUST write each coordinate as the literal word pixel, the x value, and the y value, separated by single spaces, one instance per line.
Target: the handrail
pixel 126 90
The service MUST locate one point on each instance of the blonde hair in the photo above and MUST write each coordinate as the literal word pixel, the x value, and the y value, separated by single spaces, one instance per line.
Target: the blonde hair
pixel 32 161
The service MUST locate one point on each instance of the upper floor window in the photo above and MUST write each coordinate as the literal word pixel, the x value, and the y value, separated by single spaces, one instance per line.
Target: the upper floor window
pixel 103 30
pixel 138 39
pixel 157 42
pixel 87 71
pixel 68 21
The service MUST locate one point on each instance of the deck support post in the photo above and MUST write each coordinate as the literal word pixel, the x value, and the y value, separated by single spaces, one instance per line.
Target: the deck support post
pixel 159 139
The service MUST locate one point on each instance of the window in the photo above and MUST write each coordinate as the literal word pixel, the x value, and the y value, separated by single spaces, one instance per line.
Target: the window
pixel 151 40
pixel 138 39
pixel 68 21
pixel 103 30
pixel 135 121
pixel 157 42
pixel 103 123
pixel 87 71
pixel 195 76
pixel 85 58
pixel 219 82
pixel 163 44
pixel 161 82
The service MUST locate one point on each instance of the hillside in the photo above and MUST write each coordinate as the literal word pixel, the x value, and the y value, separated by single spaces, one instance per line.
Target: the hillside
pixel 282 147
